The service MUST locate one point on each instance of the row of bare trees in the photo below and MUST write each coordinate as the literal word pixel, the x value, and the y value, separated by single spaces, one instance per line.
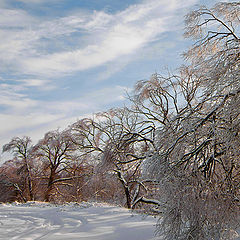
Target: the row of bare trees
pixel 176 148
pixel 113 144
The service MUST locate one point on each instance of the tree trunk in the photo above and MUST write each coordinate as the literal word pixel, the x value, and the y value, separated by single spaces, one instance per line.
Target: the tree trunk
pixel 20 192
pixel 29 181
pixel 30 190
pixel 49 186
pixel 126 188
pixel 128 197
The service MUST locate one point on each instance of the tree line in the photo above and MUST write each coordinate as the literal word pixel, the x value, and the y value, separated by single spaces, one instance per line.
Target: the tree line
pixel 174 152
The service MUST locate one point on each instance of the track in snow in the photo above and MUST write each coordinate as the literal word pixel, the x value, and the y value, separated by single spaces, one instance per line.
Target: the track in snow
pixel 39 221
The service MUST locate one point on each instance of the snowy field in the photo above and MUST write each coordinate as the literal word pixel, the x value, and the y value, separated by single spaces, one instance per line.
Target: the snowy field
pixel 35 221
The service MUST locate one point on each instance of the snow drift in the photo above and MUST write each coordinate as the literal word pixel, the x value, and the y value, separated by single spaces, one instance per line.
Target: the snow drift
pixel 35 221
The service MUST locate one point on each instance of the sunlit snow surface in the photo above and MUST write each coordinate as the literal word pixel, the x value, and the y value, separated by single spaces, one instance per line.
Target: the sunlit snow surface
pixel 35 221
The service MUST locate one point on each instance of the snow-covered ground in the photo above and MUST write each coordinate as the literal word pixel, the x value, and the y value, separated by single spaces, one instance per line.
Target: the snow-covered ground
pixel 35 221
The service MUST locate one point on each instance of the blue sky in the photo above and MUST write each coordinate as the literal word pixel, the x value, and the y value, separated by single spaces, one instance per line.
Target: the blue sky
pixel 62 60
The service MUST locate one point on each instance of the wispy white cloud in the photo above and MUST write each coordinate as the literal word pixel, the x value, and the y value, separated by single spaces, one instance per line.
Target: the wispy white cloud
pixel 40 84
pixel 89 102
pixel 15 122
pixel 15 18
pixel 37 1
pixel 121 38
pixel 13 100
pixel 25 113
pixel 33 82
pixel 109 37
pixel 13 97
pixel 112 68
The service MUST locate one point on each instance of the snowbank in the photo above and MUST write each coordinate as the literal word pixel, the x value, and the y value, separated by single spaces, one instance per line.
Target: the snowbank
pixel 35 221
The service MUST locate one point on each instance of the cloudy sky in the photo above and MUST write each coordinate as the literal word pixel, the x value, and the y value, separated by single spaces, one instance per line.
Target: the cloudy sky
pixel 64 59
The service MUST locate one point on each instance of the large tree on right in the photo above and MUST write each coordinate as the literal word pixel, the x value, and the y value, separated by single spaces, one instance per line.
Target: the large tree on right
pixel 198 112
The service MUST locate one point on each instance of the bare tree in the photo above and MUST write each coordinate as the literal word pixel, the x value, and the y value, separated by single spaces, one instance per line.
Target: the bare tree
pixel 22 150
pixel 55 151
pixel 78 188
pixel 13 185
pixel 197 138
pixel 119 139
